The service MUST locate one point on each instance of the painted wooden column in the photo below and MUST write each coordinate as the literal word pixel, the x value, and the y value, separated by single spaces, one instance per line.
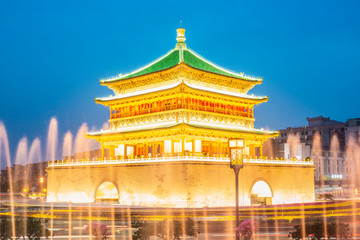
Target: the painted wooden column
pixel 193 147
pixel 146 150
pixel 183 144
pixel 219 150
pixel 153 150
pixel 260 150
pixel 102 152
pixel 112 152
pixel 125 151
pixel 252 150
pixel 172 148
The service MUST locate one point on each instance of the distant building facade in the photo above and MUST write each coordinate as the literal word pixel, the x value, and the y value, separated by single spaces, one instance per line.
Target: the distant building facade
pixel 26 178
pixel 327 151
pixel 326 142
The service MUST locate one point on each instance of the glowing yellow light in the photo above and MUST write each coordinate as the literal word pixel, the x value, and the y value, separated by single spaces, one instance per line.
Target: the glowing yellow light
pixel 236 143
pixel 44 190
pixel 232 143
pixel 107 190
pixel 262 189
pixel 240 143
pixel 25 190
pixel 356 191
pixel 41 180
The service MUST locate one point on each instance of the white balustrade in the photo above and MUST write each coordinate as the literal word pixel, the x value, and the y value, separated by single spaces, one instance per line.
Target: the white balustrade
pixel 82 162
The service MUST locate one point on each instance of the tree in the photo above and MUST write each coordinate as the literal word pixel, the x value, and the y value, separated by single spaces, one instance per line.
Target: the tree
pixel 316 231
pixel 190 228
pixel 99 230
pixel 297 234
pixel 246 229
pixel 5 229
pixel 35 228
pixel 143 230
pixel 339 230
pixel 167 229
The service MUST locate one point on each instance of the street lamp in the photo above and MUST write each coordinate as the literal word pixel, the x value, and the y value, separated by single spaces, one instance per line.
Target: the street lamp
pixel 236 162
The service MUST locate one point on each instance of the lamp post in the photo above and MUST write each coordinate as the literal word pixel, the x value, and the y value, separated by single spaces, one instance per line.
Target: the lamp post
pixel 236 162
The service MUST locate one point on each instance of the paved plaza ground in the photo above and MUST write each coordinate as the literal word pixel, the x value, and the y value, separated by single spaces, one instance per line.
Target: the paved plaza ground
pixel 275 221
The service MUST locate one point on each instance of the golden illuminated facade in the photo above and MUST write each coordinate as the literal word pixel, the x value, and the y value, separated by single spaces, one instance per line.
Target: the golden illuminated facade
pixel 170 124
pixel 181 104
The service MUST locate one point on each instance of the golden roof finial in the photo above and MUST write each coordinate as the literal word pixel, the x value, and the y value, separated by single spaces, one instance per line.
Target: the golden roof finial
pixel 180 34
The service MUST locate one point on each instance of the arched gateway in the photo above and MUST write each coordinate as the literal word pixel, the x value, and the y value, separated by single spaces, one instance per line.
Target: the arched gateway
pixel 261 193
pixel 107 192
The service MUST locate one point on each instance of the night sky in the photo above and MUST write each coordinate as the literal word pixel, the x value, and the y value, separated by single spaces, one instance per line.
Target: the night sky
pixel 53 53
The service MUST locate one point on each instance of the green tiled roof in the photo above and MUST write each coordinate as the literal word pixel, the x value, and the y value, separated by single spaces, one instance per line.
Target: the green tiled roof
pixel 181 54
pixel 167 61
pixel 194 60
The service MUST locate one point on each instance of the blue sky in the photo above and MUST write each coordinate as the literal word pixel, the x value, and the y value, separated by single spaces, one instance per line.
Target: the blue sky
pixel 53 53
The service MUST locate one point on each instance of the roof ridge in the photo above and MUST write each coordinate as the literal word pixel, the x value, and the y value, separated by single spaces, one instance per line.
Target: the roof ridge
pixel 221 68
pixel 139 69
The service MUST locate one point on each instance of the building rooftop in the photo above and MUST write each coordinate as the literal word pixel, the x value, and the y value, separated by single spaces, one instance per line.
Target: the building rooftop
pixel 181 53
pixel 176 84
pixel 321 121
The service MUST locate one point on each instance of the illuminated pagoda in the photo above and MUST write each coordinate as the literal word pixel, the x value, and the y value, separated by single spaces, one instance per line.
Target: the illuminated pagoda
pixel 180 104
pixel 170 123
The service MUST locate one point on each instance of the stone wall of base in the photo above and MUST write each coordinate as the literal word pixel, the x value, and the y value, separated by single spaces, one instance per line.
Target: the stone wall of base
pixel 180 184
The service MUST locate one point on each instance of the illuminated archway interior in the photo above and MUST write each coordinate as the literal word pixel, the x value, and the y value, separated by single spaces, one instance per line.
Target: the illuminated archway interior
pixel 261 194
pixel 107 192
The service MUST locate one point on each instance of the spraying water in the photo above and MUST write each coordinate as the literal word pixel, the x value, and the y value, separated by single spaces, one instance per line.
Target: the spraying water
pixel 334 151
pixel 67 145
pixel 319 164
pixel 5 143
pixel 22 152
pixel 52 140
pixel 353 158
pixel 82 145
pixel 35 151
pixel 294 146
pixel 105 126
pixel 51 148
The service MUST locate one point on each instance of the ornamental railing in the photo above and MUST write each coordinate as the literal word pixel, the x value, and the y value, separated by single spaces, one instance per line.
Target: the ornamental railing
pixel 83 162
pixel 133 112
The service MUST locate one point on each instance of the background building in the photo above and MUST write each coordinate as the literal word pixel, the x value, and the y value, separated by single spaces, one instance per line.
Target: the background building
pixel 26 178
pixel 325 141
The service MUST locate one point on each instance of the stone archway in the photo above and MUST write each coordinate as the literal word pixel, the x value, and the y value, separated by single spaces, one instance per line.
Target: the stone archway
pixel 107 192
pixel 261 193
